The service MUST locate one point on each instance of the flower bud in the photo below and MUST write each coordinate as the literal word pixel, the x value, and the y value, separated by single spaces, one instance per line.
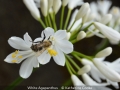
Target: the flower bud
pixel 85 17
pixel 81 35
pixel 44 7
pixel 76 81
pixel 82 11
pixel 65 2
pixel 108 32
pixel 32 8
pixel 104 53
pixel 84 69
pixel 107 72
pixel 50 4
pixel 68 35
pixel 56 5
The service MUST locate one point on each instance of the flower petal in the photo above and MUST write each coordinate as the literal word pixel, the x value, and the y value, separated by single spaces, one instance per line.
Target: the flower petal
pixel 26 68
pixel 28 39
pixel 18 43
pixel 35 63
pixel 59 58
pixel 9 58
pixel 60 34
pixel 38 39
pixel 44 58
pixel 65 46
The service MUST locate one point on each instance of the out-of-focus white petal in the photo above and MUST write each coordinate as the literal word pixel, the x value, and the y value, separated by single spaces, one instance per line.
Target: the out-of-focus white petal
pixel 104 53
pixel 28 39
pixel 74 3
pixel 32 8
pixel 18 43
pixel 59 58
pixel 106 19
pixel 65 2
pixel 44 58
pixel 108 73
pixel 26 68
pixel 104 6
pixel 76 81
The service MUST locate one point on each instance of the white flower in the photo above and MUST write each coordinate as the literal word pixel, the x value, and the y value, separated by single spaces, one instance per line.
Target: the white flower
pixel 60 45
pixel 94 72
pixel 90 82
pixel 24 53
pixel 104 6
pixel 107 72
pixel 115 11
pixel 30 4
pixel 56 5
pixel 76 81
pixel 74 3
pixel 104 53
pixel 37 2
pixel 108 32
pixel 84 69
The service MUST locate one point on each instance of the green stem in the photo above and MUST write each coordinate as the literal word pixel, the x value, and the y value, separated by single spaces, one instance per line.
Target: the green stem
pixel 85 29
pixel 62 16
pixel 71 67
pixel 74 41
pixel 71 26
pixel 49 21
pixel 42 23
pixel 46 21
pixel 68 68
pixel 82 55
pixel 67 19
pixel 54 22
pixel 77 57
pixel 72 61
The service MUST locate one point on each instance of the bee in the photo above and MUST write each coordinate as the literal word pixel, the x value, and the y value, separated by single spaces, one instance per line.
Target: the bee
pixel 41 45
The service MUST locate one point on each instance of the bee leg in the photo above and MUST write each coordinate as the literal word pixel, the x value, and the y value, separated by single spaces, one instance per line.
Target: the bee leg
pixel 44 36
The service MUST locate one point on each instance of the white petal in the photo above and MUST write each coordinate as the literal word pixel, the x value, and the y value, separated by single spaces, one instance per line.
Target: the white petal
pixel 107 72
pixel 35 63
pixel 65 46
pixel 56 5
pixel 28 39
pixel 38 39
pixel 44 58
pixel 59 58
pixel 18 43
pixel 84 69
pixel 76 81
pixel 26 68
pixel 9 58
pixel 48 32
pixel 60 34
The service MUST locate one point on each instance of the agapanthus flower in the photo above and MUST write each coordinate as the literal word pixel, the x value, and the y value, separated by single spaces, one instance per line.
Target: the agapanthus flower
pixel 59 46
pixel 23 52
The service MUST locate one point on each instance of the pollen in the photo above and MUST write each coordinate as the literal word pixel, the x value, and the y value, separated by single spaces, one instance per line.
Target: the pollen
pixel 52 52
pixel 16 52
pixel 14 61
pixel 20 57
pixel 116 11
pixel 13 55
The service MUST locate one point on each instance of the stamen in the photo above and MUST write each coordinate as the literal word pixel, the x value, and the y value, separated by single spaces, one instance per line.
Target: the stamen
pixel 52 52
pixel 14 61
pixel 20 57
pixel 13 55
pixel 16 52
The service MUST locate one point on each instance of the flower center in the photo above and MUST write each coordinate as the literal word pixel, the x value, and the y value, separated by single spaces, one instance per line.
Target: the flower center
pixel 15 56
pixel 52 52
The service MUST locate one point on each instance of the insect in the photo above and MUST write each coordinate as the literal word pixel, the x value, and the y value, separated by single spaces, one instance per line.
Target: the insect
pixel 41 45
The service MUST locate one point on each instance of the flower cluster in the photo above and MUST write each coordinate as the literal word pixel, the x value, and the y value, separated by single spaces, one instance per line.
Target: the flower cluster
pixel 85 22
